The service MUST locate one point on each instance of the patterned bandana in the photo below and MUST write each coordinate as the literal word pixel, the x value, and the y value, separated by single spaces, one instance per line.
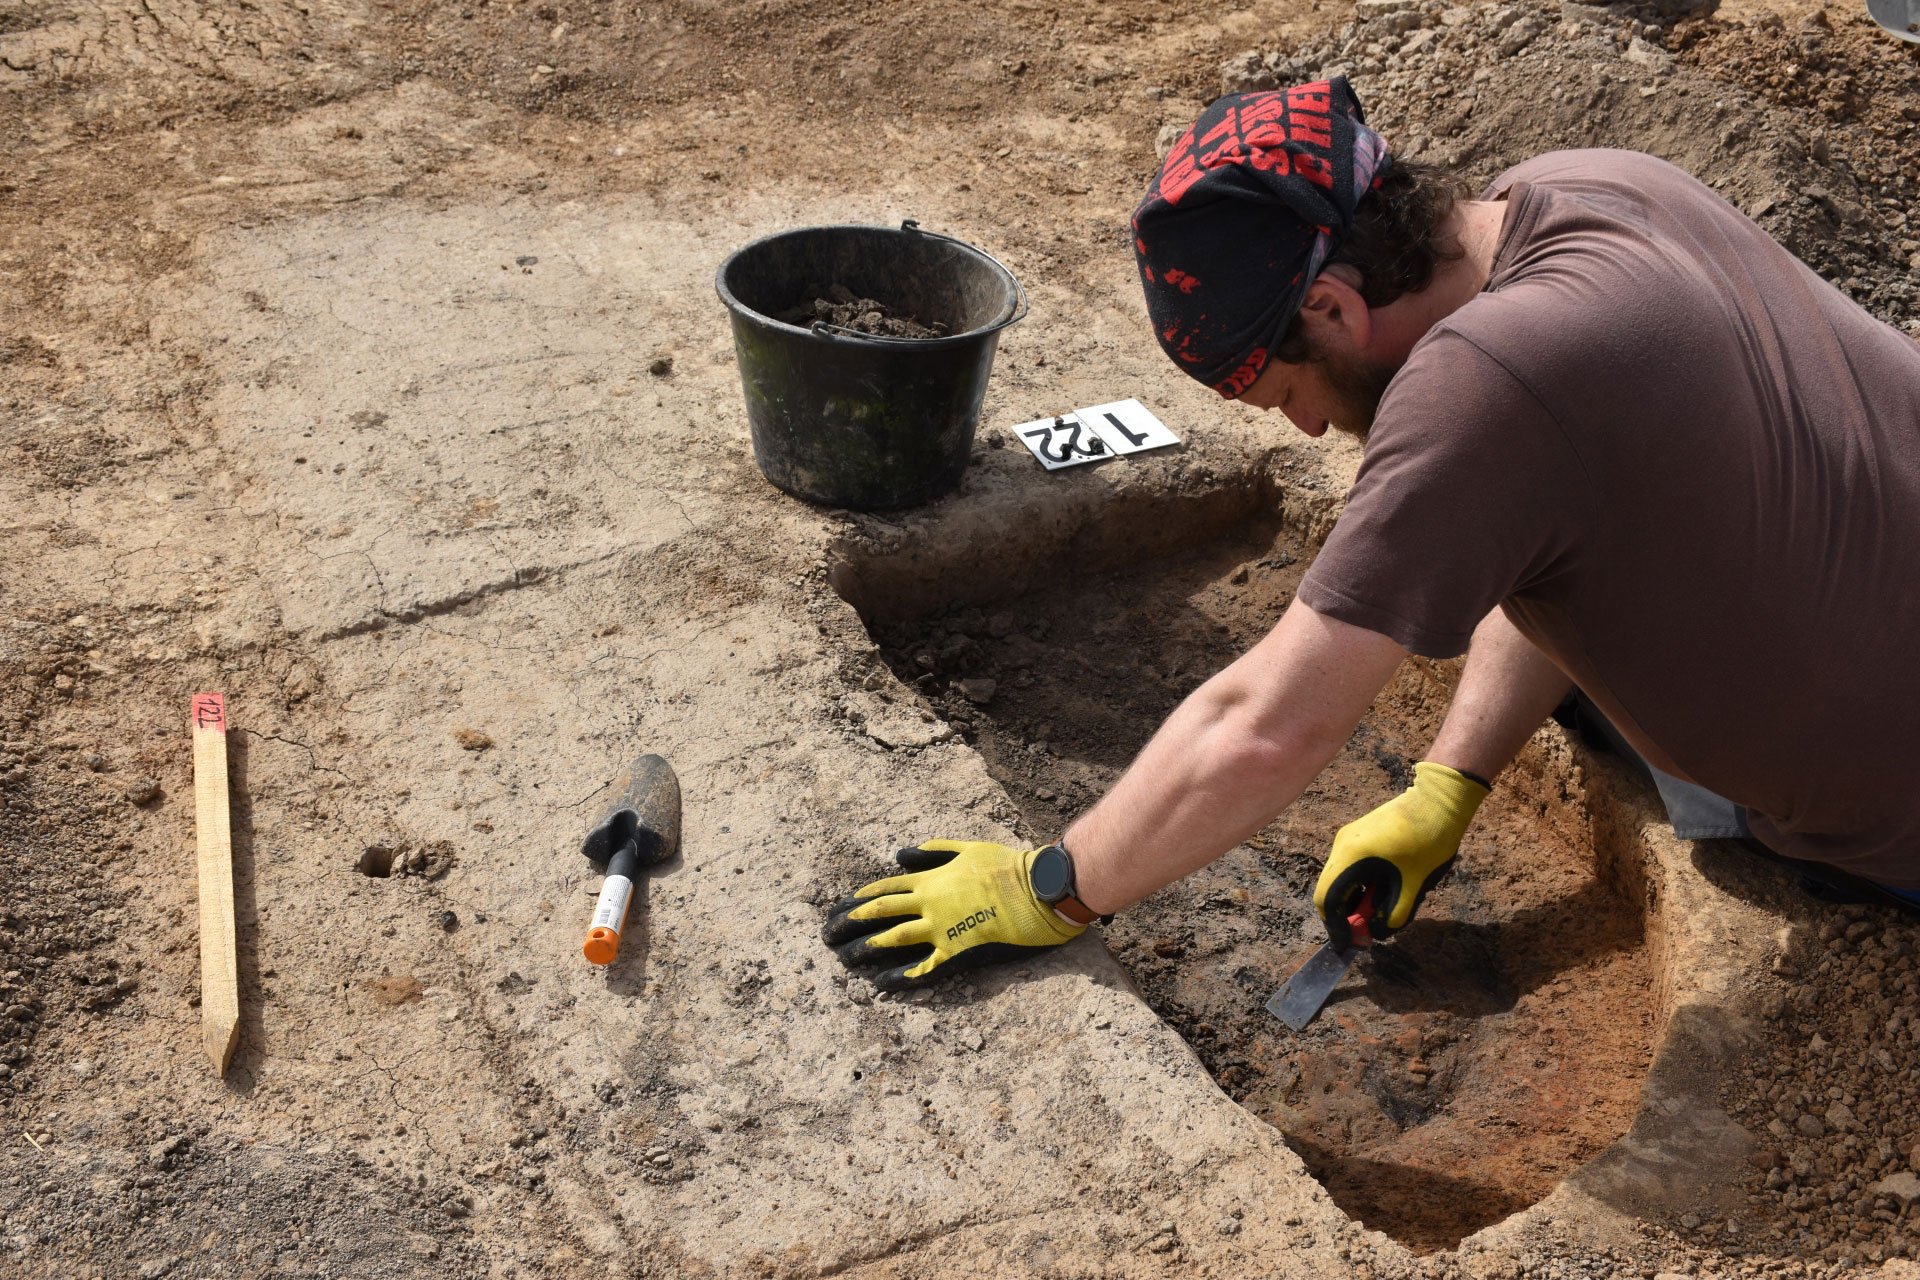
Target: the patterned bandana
pixel 1249 205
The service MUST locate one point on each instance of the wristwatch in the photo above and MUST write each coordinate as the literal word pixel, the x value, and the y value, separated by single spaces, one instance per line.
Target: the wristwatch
pixel 1050 876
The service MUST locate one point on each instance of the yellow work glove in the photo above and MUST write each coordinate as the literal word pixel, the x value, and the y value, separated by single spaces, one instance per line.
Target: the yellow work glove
pixel 1399 851
pixel 963 903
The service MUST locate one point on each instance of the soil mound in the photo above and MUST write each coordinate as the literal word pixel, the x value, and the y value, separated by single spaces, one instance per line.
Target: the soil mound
pixel 1834 1094
pixel 1807 128
pixel 842 309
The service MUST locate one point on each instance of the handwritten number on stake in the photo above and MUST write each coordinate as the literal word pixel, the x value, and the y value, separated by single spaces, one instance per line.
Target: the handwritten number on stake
pixel 209 712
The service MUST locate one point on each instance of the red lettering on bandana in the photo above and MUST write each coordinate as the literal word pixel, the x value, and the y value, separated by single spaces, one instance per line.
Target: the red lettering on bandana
pixel 1180 346
pixel 1229 125
pixel 1257 133
pixel 1316 130
pixel 1232 151
pixel 1314 169
pixel 1269 151
pixel 1316 97
pixel 1178 176
pixel 1292 159
pixel 1310 106
pixel 1268 108
pixel 1240 379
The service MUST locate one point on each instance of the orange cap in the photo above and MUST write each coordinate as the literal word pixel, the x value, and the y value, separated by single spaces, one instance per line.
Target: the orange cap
pixel 603 945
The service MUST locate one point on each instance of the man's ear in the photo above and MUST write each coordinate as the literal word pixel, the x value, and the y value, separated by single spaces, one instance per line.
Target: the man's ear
pixel 1334 314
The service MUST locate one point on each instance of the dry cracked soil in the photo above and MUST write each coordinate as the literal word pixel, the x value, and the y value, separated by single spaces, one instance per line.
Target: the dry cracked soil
pixel 361 360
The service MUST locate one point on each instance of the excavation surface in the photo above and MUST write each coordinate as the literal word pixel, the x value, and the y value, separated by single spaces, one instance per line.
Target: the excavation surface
pixel 1459 1072
pixel 363 362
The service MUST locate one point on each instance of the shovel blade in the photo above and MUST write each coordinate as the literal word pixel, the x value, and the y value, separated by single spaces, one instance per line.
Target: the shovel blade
pixel 647 813
pixel 1898 17
pixel 1301 996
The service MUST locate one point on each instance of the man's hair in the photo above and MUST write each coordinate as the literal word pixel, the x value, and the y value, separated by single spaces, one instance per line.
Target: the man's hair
pixel 1395 244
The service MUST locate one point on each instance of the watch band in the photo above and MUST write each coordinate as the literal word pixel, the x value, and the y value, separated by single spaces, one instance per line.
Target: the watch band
pixel 1070 907
pixel 1075 910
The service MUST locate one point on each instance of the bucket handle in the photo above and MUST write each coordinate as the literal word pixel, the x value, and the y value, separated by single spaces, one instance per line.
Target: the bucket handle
pixel 1014 315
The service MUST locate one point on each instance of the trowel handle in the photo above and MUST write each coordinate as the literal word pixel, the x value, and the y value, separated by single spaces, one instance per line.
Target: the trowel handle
pixel 610 911
pixel 642 829
pixel 1360 921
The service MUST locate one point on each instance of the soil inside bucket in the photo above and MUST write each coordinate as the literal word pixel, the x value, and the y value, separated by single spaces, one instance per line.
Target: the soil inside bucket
pixel 1456 1075
pixel 843 308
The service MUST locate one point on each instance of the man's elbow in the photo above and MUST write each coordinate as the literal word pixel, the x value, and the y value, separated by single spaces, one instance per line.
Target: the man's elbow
pixel 1252 739
pixel 1291 702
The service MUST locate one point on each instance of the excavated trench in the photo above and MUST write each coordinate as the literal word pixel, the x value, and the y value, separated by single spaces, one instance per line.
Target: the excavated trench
pixel 1457 1075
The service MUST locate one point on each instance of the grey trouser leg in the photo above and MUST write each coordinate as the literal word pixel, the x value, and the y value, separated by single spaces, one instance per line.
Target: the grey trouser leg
pixel 1699 814
pixel 1696 813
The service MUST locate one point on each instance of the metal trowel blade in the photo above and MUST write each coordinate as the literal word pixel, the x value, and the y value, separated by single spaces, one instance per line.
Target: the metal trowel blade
pixel 1301 996
pixel 1899 17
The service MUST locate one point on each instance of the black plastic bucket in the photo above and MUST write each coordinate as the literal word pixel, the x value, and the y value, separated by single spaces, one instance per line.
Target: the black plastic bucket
pixel 850 420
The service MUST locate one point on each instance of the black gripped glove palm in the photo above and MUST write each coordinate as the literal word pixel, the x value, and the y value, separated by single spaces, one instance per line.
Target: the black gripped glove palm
pixel 1400 850
pixel 961 904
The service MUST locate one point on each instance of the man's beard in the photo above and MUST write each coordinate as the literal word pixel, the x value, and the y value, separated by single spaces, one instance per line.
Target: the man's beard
pixel 1355 387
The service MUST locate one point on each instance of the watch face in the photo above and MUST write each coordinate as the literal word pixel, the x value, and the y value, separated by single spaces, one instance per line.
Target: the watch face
pixel 1050 874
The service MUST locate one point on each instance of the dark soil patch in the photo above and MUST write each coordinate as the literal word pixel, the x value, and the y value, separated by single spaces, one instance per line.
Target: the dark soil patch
pixel 843 309
pixel 1456 1075
pixel 162 1196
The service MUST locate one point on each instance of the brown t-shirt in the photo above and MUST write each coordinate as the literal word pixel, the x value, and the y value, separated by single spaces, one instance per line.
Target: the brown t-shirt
pixel 1689 470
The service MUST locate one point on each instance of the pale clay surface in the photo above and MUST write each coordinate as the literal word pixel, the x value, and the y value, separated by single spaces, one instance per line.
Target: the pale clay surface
pixel 1078 1128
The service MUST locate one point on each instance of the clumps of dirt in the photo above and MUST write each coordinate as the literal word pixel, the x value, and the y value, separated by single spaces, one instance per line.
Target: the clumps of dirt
pixel 1834 1094
pixel 395 989
pixel 58 916
pixel 65 450
pixel 1456 1075
pixel 159 1198
pixel 1857 95
pixel 843 309
pixel 63 823
pixel 429 861
pixel 1809 129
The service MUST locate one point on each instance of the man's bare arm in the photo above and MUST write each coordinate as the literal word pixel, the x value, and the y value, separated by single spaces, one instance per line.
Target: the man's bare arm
pixel 1506 690
pixel 1239 750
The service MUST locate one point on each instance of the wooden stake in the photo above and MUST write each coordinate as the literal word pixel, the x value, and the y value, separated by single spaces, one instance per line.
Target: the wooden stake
pixel 213 832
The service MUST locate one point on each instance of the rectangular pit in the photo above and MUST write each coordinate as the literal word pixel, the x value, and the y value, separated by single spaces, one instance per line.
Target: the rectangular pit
pixel 1458 1074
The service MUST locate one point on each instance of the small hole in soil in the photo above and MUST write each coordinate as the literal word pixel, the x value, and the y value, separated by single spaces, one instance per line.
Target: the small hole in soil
pixel 376 860
pixel 1456 1075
